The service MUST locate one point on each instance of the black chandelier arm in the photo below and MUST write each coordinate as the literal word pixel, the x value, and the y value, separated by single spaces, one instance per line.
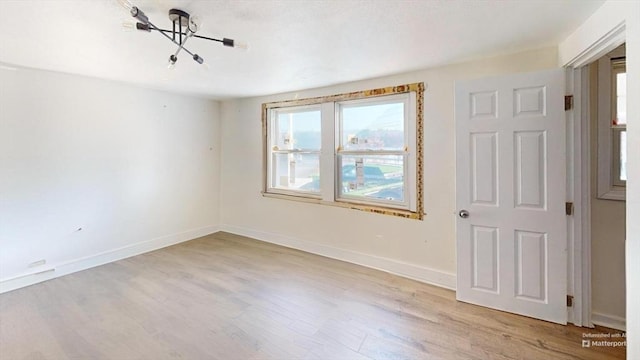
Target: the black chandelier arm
pixel 182 43
pixel 146 27
pixel 207 38
pixel 153 27
pixel 179 28
pixel 196 36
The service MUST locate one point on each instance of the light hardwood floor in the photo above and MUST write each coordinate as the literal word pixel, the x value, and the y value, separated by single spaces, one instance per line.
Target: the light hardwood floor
pixel 228 297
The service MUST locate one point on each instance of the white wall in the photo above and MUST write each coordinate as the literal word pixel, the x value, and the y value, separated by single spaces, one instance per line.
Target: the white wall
pixel 603 22
pixel 420 249
pixel 632 15
pixel 633 183
pixel 136 169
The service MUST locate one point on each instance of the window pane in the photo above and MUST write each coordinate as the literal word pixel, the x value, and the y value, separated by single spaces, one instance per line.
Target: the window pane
pixel 298 130
pixel 379 177
pixel 373 127
pixel 623 155
pixel 297 171
pixel 621 98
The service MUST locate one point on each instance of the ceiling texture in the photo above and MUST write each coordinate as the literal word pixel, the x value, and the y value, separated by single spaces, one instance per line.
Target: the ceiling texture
pixel 294 44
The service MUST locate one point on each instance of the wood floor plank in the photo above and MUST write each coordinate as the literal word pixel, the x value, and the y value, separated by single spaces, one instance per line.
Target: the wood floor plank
pixel 225 296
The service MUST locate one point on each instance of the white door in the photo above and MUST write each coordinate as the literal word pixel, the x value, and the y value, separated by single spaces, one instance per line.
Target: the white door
pixel 510 186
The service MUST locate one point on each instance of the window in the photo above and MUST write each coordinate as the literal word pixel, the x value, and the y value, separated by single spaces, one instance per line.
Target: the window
pixel 612 128
pixel 359 150
pixel 619 123
pixel 372 154
pixel 295 143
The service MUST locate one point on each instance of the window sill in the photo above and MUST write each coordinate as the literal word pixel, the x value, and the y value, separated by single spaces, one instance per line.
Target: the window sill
pixel 367 208
pixel 619 194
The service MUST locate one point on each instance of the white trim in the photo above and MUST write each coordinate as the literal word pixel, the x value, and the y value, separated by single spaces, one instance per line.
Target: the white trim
pixel 610 321
pixel 106 257
pixel 609 41
pixel 573 186
pixel 328 183
pixel 578 191
pixel 585 199
pixel 412 271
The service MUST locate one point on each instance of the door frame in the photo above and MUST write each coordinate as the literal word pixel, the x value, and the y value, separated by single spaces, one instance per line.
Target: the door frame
pixel 579 175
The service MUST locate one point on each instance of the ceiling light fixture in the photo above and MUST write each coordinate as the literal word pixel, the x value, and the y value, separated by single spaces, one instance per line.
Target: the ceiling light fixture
pixel 185 27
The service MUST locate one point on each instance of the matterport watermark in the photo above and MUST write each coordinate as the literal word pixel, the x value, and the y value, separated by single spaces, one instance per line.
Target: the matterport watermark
pixel 604 340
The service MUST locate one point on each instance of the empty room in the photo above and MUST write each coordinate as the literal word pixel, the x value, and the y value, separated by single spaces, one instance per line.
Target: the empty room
pixel 319 179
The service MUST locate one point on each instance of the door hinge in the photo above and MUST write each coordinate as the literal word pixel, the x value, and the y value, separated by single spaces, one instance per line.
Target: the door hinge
pixel 568 102
pixel 568 208
pixel 569 300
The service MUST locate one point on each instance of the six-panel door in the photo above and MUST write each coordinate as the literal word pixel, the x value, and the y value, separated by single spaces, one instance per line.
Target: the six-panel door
pixel 510 177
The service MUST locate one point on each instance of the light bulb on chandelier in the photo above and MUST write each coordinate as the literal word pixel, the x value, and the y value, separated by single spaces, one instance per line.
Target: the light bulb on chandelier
pixel 128 25
pixel 172 62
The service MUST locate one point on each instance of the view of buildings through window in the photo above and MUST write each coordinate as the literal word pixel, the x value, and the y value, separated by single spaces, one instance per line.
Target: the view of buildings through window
pixel 372 151
pixel 296 146
pixel 359 150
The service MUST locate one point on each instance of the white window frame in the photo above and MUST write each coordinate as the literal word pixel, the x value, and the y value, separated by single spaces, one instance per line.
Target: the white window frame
pixel 408 99
pixel 618 66
pixel 609 187
pixel 272 137
pixel 410 94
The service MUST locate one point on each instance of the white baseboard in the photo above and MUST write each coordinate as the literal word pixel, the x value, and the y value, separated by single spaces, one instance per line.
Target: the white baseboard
pixel 411 271
pixel 72 266
pixel 610 321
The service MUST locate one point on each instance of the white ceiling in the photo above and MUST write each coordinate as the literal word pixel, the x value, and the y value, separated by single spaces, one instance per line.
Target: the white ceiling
pixel 294 44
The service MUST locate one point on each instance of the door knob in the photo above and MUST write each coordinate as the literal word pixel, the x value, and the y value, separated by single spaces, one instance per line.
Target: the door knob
pixel 463 214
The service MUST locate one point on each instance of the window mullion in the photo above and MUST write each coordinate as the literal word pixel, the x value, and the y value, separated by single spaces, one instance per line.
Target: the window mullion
pixel 327 156
pixel 272 129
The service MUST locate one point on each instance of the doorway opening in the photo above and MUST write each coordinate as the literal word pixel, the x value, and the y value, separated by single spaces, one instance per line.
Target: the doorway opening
pixel 607 156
